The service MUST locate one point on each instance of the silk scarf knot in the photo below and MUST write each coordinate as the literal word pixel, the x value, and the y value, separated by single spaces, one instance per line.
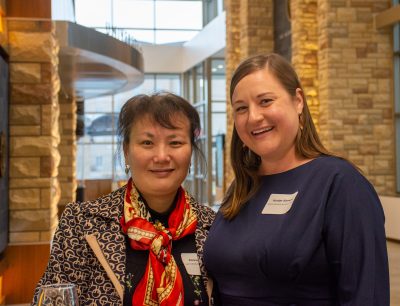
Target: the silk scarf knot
pixel 162 282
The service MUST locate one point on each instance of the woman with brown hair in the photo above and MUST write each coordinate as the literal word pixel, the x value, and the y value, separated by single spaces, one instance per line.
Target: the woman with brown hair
pixel 299 225
pixel 141 244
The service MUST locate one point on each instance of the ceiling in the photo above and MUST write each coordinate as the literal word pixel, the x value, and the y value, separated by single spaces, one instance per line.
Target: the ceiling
pixel 93 64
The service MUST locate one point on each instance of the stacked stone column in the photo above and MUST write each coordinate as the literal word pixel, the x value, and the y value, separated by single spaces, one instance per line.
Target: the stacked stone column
pixel 355 87
pixel 67 148
pixel 34 130
pixel 249 31
pixel 305 50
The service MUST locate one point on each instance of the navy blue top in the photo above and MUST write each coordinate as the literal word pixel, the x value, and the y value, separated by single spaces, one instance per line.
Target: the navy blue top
pixel 329 248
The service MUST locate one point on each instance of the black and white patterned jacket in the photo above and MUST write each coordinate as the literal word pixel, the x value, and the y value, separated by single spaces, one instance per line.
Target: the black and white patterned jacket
pixel 88 249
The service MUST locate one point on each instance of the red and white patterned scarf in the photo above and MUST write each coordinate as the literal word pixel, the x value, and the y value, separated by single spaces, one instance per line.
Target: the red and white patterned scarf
pixel 162 282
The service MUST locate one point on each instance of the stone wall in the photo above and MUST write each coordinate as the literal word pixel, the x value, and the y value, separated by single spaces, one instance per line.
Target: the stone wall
pixel 345 65
pixel 67 148
pixel 305 50
pixel 34 130
pixel 249 32
pixel 355 87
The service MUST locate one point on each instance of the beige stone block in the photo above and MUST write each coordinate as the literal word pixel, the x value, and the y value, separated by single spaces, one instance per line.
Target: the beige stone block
pixel 45 198
pixel 31 146
pixel 46 236
pixel 384 86
pixel 30 25
pixel 381 100
pixel 25 46
pixel 382 131
pixel 50 120
pixel 340 92
pixel 48 73
pixel 67 109
pixel 359 27
pixel 24 198
pixel 369 149
pixel 356 68
pixel 28 220
pixel 365 102
pixel 64 201
pixel 338 83
pixel 386 62
pixel 346 14
pixel 372 87
pixel 55 192
pixel 357 139
pixel 56 159
pixel 65 171
pixel 24 167
pixel 338 31
pixel 49 164
pixel 349 146
pixel 386 145
pixel 360 90
pixel 362 129
pixel 31 93
pixel 24 237
pixel 68 139
pixel 381 164
pixel 25 73
pixel 68 124
pixel 67 189
pixel 64 162
pixel 364 15
pixel 26 130
pixel 357 82
pixel 31 183
pixel 25 114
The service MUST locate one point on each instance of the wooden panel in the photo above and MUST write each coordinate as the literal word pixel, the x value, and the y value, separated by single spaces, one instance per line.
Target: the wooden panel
pixel 29 9
pixel 3 266
pixel 25 266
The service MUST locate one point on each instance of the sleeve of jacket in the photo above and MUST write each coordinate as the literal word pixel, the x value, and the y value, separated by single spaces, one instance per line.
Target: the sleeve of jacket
pixel 64 254
pixel 355 242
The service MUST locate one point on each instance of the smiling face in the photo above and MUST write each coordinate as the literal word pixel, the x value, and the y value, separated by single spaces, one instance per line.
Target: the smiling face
pixel 159 157
pixel 266 118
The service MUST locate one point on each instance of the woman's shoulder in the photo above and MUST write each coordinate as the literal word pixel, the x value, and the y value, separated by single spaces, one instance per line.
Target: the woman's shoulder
pixel 345 173
pixel 103 204
pixel 205 214
pixel 337 165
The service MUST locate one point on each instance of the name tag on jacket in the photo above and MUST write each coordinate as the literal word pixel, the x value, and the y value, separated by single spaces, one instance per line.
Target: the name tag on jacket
pixel 279 204
pixel 191 262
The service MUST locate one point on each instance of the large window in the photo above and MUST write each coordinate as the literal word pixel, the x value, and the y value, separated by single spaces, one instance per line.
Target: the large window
pixel 211 9
pixel 149 21
pixel 98 156
pixel 205 87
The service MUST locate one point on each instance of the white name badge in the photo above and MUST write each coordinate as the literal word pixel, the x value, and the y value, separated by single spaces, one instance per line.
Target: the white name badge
pixel 191 262
pixel 279 204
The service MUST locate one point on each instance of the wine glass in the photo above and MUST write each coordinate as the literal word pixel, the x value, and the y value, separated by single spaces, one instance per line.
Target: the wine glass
pixel 58 295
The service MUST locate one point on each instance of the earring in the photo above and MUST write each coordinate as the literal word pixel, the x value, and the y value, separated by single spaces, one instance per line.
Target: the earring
pixel 127 168
pixel 301 122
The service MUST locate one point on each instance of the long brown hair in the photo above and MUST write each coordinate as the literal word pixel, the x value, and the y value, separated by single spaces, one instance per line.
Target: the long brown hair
pixel 245 163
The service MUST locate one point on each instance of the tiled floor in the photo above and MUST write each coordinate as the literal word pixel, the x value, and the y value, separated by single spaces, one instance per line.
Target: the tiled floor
pixel 394 269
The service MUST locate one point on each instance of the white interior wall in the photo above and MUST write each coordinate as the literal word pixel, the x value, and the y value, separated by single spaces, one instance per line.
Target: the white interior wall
pixel 391 206
pixel 179 58
pixel 62 10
